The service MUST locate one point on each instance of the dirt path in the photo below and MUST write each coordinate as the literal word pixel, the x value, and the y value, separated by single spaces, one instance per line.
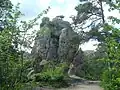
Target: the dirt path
pixel 83 87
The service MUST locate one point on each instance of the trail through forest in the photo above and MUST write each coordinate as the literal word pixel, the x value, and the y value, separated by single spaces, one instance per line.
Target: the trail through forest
pixel 83 87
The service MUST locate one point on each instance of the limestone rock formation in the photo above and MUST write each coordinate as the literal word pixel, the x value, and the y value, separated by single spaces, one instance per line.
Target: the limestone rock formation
pixel 56 41
pixel 67 45
pixel 77 62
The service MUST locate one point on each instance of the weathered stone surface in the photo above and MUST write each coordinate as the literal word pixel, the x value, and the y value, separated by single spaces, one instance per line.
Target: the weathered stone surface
pixel 67 47
pixel 77 63
pixel 56 40
pixel 42 42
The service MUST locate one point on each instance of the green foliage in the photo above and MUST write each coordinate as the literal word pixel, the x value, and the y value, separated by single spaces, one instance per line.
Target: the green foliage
pixel 111 79
pixel 52 75
pixel 111 75
pixel 104 67
pixel 44 31
pixel 9 56
pixel 93 70
pixel 13 67
pixel 89 17
pixel 92 67
pixel 5 8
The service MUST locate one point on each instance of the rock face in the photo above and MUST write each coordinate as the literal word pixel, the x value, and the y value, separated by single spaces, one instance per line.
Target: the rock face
pixel 77 63
pixel 67 45
pixel 56 41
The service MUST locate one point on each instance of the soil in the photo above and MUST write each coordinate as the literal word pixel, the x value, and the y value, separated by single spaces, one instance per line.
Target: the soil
pixel 83 87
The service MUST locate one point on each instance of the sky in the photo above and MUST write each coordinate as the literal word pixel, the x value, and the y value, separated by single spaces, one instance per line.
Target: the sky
pixel 31 8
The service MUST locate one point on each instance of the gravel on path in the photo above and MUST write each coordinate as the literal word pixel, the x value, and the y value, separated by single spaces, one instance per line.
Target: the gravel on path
pixel 83 87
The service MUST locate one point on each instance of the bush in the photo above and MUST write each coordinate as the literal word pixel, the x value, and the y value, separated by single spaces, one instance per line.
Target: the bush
pixel 92 69
pixel 111 79
pixel 52 75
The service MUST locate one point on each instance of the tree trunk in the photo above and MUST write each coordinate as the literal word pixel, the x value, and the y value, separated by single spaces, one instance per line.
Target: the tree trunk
pixel 102 11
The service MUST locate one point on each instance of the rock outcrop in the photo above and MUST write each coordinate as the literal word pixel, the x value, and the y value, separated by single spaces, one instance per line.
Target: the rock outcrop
pixel 56 41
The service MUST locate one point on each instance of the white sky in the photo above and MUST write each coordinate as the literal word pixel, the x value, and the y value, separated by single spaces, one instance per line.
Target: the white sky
pixel 31 8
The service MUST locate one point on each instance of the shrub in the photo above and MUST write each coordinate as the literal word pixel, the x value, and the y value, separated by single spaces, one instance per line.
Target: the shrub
pixel 111 79
pixel 52 75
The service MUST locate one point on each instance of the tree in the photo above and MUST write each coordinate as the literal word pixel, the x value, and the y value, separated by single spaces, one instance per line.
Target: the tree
pixel 111 74
pixel 5 12
pixel 13 66
pixel 90 19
